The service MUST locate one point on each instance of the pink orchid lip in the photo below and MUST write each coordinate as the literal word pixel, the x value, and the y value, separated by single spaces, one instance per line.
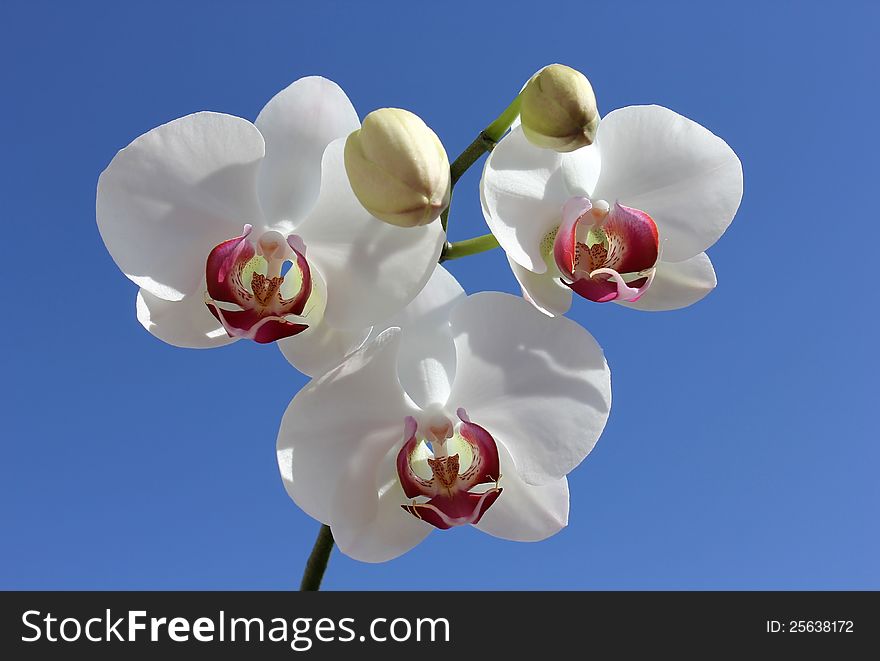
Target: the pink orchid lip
pixel 256 310
pixel 450 499
pixel 621 265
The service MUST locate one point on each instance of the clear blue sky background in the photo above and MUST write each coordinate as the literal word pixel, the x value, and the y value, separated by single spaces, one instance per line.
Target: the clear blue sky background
pixel 742 449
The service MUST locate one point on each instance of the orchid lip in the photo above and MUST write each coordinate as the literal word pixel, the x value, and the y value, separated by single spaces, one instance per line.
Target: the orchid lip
pixel 247 292
pixel 448 498
pixel 606 253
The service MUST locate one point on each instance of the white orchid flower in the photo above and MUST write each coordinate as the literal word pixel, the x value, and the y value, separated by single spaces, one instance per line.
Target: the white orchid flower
pixel 238 230
pixel 626 219
pixel 471 410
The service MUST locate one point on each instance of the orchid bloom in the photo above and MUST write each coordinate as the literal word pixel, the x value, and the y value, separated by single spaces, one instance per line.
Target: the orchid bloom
pixel 238 230
pixel 468 410
pixel 626 219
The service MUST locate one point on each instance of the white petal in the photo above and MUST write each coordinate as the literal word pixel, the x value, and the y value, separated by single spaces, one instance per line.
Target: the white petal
pixel 176 192
pixel 298 124
pixel 371 526
pixel 426 362
pixel 542 290
pixel 372 269
pixel 525 512
pixel 359 404
pixel 426 343
pixel 684 176
pixel 539 385
pixel 184 323
pixel 580 170
pixel 678 284
pixel 432 306
pixel 522 193
pixel 367 520
pixel 321 347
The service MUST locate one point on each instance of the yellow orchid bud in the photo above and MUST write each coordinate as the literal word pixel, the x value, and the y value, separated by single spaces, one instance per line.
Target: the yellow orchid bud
pixel 398 168
pixel 558 109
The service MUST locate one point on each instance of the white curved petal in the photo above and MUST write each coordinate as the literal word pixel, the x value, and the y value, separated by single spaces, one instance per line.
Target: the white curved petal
pixel 176 192
pixel 184 323
pixel 539 385
pixel 684 176
pixel 580 170
pixel 298 123
pixel 426 361
pixel 370 525
pixel 356 405
pixel 372 269
pixel 678 284
pixel 432 306
pixel 525 512
pixel 522 193
pixel 367 519
pixel 321 347
pixel 542 290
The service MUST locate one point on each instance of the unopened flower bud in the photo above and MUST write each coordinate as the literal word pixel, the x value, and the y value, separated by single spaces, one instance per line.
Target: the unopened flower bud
pixel 398 168
pixel 558 109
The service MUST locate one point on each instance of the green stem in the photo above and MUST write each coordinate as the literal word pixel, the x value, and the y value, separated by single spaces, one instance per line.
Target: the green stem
pixel 499 127
pixel 444 217
pixel 317 562
pixel 468 247
pixel 485 142
pixel 469 156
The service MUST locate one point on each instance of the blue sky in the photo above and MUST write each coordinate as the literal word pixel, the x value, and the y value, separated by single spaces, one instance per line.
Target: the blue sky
pixel 742 449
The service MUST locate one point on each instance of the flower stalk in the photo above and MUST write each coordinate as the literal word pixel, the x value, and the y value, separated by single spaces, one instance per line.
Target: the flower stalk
pixel 468 247
pixel 317 562
pixel 482 144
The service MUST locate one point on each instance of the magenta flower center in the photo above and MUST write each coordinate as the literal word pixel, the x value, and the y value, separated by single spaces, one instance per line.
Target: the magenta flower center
pixel 451 495
pixel 606 253
pixel 247 291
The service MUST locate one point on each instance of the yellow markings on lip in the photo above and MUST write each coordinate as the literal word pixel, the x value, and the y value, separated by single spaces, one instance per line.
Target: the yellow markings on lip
pixel 548 241
pixel 255 265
